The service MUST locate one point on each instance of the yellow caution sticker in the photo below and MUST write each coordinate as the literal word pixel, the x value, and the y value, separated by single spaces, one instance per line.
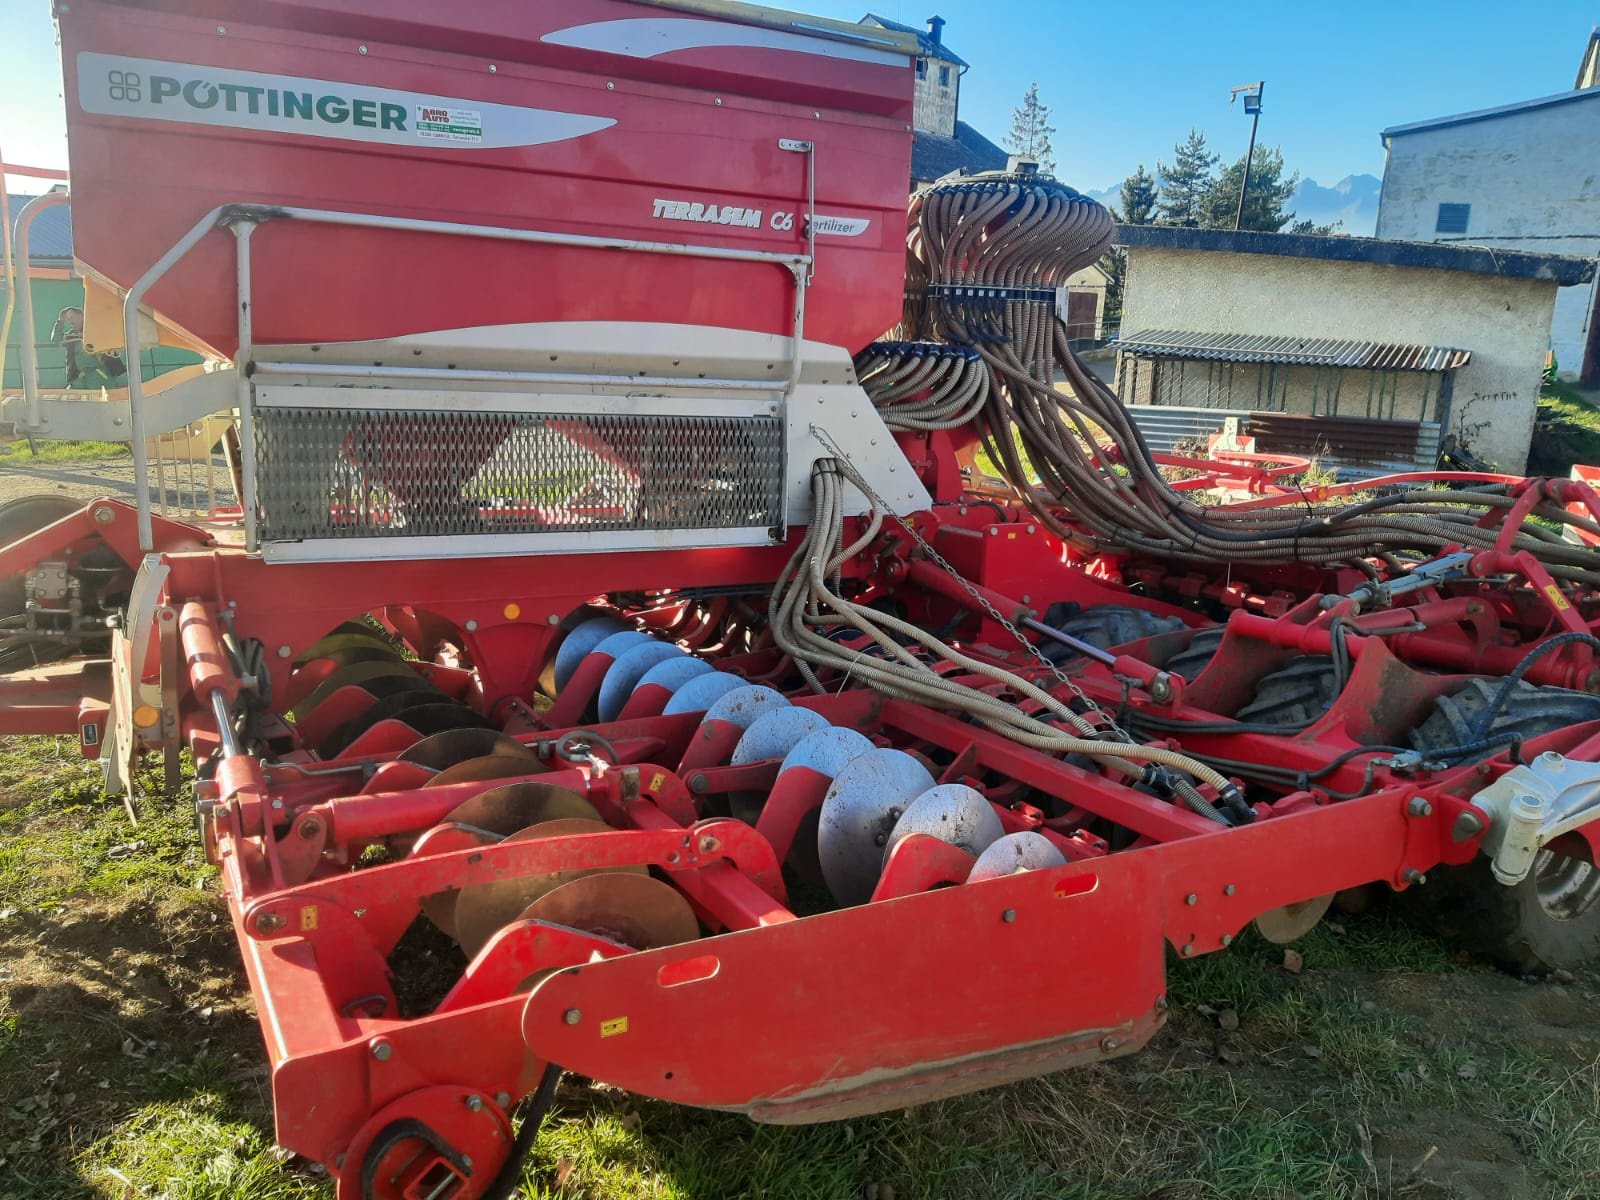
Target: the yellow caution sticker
pixel 656 780
pixel 614 1026
pixel 308 918
pixel 1557 600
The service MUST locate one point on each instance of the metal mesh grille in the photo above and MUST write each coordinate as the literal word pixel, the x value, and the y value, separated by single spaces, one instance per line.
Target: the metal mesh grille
pixel 332 473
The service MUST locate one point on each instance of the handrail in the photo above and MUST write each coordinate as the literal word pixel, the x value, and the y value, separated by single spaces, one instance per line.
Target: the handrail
pixel 242 219
pixel 30 349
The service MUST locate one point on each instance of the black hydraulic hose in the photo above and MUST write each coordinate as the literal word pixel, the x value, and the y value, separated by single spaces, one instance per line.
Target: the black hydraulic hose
pixel 1481 729
pixel 532 1112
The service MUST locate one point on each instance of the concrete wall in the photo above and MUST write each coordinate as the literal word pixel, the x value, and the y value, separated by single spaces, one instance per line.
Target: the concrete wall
pixel 935 105
pixel 1533 181
pixel 1504 322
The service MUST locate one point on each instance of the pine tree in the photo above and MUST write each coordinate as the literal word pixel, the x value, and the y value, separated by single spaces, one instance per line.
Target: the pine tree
pixel 1186 183
pixel 1031 130
pixel 1138 198
pixel 1269 191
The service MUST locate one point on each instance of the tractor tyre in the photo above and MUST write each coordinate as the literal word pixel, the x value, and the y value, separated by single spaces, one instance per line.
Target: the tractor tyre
pixel 1294 695
pixel 1103 627
pixel 1197 655
pixel 1549 921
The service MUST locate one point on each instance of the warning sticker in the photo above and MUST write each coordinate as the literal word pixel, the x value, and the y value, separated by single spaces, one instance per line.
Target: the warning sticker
pixel 449 124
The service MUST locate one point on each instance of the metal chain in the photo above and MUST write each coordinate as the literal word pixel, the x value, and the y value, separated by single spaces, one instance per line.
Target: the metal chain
pixel 994 613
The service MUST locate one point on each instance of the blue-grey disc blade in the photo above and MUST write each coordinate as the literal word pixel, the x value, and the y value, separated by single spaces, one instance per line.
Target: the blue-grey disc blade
pixel 674 673
pixel 826 751
pixel 619 643
pixel 702 692
pixel 626 672
pixel 577 644
pixel 953 813
pixel 863 803
pixel 745 706
pixel 1014 853
pixel 775 734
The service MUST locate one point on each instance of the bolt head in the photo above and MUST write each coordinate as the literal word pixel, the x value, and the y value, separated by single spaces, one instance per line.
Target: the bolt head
pixel 572 1016
pixel 1228 889
pixel 1009 915
pixel 474 1103
pixel 1419 807
pixel 502 1098
pixel 1191 899
pixel 1227 939
pixel 1109 1044
pixel 284 652
pixel 104 515
pixel 471 626
pixel 1188 950
pixel 310 829
pixel 382 1050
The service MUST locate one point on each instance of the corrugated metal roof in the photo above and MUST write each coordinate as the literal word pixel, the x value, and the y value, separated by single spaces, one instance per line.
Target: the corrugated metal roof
pixel 1290 350
pixel 50 235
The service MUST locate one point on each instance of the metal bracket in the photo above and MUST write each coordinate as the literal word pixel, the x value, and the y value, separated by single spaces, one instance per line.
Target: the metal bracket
pixel 1530 806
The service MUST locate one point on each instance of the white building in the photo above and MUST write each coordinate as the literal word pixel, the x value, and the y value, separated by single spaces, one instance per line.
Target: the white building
pixel 1523 176
pixel 1375 356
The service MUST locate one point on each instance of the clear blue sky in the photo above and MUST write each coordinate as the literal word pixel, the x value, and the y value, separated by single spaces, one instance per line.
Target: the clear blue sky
pixel 1124 81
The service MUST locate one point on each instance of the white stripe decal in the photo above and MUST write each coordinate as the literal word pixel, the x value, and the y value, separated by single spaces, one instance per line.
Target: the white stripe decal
pixel 650 37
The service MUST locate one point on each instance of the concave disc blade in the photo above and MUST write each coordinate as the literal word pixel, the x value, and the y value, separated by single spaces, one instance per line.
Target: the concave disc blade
pixel 826 751
pixel 775 734
pixel 627 670
pixel 359 675
pixel 425 711
pixel 674 673
pixel 702 692
pixel 440 907
pixel 513 806
pixel 450 746
pixel 863 803
pixel 1014 853
pixel 1292 921
pixel 952 812
pixel 484 908
pixel 577 644
pixel 744 706
pixel 489 766
pixel 633 910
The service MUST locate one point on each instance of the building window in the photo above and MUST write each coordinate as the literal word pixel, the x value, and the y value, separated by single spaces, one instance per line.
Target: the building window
pixel 1452 218
pixel 922 68
pixel 944 76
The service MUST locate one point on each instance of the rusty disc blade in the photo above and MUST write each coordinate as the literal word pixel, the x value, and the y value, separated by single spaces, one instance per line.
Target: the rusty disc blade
pixel 632 910
pixel 424 709
pixel 1292 921
pixel 485 767
pixel 513 806
pixel 451 746
pixel 484 908
pixel 341 641
pixel 359 675
pixel 440 907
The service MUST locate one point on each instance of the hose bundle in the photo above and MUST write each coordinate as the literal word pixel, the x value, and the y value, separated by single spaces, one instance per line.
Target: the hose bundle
pixel 805 604
pixel 923 386
pixel 986 255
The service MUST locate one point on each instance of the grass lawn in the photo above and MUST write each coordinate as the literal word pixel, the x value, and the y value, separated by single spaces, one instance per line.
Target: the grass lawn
pixel 1567 431
pixel 47 451
pixel 131 1064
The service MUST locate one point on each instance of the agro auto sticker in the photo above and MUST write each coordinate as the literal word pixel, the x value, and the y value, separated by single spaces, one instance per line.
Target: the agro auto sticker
pixel 149 89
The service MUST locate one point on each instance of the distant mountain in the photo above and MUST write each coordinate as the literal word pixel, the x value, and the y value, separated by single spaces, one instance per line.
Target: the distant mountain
pixel 1352 201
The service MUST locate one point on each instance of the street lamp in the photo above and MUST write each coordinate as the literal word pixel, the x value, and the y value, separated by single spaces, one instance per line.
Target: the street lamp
pixel 1252 107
